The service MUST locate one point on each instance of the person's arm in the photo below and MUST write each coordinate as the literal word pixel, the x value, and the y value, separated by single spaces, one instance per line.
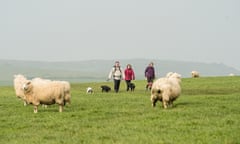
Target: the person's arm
pixel 133 75
pixel 153 73
pixel 145 72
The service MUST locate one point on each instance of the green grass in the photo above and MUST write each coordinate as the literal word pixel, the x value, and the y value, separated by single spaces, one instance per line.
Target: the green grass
pixel 208 111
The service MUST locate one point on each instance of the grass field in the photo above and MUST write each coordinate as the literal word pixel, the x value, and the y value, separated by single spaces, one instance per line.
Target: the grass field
pixel 207 112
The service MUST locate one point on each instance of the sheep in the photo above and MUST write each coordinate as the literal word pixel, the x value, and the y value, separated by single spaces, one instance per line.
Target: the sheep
pixel 166 89
pixel 231 74
pixel 65 84
pixel 39 91
pixel 195 74
pixel 18 82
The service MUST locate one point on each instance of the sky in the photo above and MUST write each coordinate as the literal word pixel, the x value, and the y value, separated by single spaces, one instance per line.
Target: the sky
pixel 72 30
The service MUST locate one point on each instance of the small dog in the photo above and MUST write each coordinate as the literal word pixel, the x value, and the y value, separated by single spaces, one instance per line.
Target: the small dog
pixel 131 86
pixel 105 88
pixel 89 90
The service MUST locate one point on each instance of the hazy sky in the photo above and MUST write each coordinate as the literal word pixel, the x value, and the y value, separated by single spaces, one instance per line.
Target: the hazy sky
pixel 60 30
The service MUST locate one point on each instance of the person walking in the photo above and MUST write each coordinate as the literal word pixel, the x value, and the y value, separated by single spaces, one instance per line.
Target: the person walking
pixel 149 75
pixel 129 75
pixel 117 75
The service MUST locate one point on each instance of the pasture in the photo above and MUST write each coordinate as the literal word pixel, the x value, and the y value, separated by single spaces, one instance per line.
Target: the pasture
pixel 208 111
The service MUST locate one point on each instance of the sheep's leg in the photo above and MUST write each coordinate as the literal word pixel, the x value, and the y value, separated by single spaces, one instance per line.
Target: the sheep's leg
pixel 170 103
pixel 154 100
pixel 44 106
pixel 165 104
pixel 35 109
pixel 24 103
pixel 60 108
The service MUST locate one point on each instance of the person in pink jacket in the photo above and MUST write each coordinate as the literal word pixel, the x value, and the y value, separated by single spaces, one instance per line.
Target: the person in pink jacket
pixel 129 75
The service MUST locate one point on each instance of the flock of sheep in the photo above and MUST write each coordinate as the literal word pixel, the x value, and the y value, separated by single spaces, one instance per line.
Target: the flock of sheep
pixel 40 91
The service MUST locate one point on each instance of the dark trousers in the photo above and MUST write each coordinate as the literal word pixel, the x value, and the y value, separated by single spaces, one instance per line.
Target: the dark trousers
pixel 116 85
pixel 128 83
pixel 150 79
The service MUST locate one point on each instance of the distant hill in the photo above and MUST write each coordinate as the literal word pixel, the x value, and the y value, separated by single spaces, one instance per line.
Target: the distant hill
pixel 97 70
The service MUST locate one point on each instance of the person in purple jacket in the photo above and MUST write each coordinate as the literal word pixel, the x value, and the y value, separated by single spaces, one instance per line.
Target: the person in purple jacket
pixel 149 75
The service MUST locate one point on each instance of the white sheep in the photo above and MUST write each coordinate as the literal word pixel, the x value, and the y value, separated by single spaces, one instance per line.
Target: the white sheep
pixel 231 74
pixel 65 84
pixel 39 91
pixel 166 89
pixel 18 82
pixel 195 74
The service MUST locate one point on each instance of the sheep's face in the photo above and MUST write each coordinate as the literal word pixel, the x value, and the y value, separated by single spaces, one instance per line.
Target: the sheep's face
pixel 156 93
pixel 26 86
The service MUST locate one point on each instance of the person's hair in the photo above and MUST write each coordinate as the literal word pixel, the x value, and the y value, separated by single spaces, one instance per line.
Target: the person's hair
pixel 151 63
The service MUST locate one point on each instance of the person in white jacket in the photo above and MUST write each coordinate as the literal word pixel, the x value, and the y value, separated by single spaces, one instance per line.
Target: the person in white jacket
pixel 117 75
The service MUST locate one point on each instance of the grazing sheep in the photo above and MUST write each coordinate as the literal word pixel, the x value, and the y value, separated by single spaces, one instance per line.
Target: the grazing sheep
pixel 18 82
pixel 195 74
pixel 166 89
pixel 39 91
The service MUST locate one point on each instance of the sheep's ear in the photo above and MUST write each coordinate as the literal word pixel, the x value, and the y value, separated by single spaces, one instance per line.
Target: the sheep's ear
pixel 28 83
pixel 24 87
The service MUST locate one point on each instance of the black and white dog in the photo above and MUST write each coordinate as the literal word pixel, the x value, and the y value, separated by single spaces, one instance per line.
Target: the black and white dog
pixel 105 88
pixel 89 90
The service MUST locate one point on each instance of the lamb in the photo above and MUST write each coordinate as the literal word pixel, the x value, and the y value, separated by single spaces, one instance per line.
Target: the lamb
pixel 18 82
pixel 39 91
pixel 195 74
pixel 166 89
